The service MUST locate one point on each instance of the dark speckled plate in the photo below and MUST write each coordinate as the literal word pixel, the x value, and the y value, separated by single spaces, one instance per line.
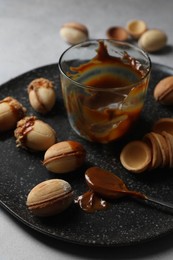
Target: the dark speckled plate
pixel 127 221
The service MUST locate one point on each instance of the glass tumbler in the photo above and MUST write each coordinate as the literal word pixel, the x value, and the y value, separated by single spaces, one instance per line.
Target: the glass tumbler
pixel 104 85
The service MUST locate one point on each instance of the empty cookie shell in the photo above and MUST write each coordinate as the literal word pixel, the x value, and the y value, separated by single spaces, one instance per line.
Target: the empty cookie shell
pixel 161 141
pixel 136 28
pixel 117 33
pixel 169 140
pixel 136 156
pixel 156 154
pixel 163 124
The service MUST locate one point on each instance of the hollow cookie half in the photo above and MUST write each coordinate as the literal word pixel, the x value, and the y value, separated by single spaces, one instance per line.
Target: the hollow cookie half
pixel 136 156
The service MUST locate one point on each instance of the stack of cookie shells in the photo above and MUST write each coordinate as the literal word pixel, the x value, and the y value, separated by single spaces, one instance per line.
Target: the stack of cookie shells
pixel 153 151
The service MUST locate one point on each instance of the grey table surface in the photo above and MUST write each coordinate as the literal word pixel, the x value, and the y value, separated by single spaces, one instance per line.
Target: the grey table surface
pixel 29 38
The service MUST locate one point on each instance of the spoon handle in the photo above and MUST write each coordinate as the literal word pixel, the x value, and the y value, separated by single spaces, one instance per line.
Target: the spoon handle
pixel 159 202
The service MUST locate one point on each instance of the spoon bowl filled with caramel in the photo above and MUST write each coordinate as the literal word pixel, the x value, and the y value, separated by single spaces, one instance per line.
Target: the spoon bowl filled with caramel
pixel 104 185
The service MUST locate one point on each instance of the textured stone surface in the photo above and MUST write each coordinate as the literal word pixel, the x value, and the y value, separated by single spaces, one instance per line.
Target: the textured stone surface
pixel 127 222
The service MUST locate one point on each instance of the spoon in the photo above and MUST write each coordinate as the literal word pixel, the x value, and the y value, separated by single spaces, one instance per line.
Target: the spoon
pixel 111 186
